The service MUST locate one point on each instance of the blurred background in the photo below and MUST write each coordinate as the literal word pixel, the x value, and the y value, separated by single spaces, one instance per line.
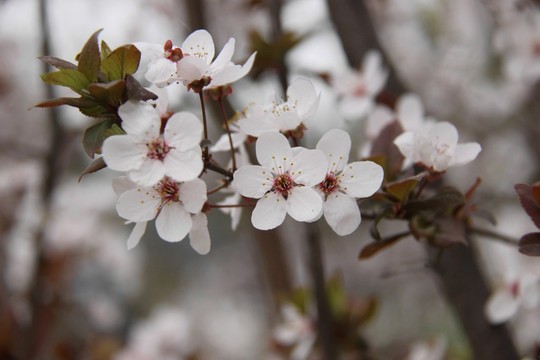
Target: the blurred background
pixel 72 290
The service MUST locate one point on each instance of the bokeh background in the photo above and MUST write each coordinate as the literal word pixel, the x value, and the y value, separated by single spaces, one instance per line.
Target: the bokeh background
pixel 71 289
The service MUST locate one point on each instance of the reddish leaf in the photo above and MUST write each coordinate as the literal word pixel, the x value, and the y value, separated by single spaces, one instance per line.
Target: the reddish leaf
pixel 58 63
pixel 90 58
pixel 402 189
pixel 536 193
pixel 373 248
pixel 529 244
pixel 75 102
pixel 528 202
pixel 384 145
pixel 135 91
pixel 95 165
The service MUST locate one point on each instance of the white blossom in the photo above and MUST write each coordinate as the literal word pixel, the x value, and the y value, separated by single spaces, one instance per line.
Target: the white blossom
pixel 146 154
pixel 295 330
pixel 345 182
pixel 435 145
pixel 302 102
pixel 282 183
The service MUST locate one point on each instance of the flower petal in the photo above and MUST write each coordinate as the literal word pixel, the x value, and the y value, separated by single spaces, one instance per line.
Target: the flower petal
pixel 410 112
pixel 341 213
pixel 161 71
pixel 184 165
pixel 304 204
pixel 253 181
pixel 309 167
pixel 173 222
pixel 136 234
pixel 192 68
pixel 199 237
pixel 183 131
pixel 139 118
pixel 238 138
pixel 273 150
pixel 123 152
pixel 193 195
pixel 302 96
pixel 199 43
pixel 224 57
pixel 122 184
pixel 140 204
pixel 336 145
pixel 501 306
pixel 232 73
pixel 465 153
pixel 361 178
pixel 269 212
pixel 150 172
pixel 406 145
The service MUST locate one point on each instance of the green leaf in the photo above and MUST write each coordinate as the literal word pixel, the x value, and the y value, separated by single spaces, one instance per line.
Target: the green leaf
pixel 105 50
pixel 93 137
pixel 123 60
pixel 73 79
pixel 401 189
pixel 90 58
pixel 95 165
pixel 57 62
pixel 112 93
pixel 114 130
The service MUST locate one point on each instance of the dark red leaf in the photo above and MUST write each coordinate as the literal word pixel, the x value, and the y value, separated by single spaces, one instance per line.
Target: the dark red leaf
pixel 58 63
pixel 529 244
pixel 528 202
pixel 95 165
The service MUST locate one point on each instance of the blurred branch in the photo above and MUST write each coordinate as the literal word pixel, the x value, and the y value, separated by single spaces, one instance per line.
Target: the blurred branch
pixel 196 14
pixel 277 34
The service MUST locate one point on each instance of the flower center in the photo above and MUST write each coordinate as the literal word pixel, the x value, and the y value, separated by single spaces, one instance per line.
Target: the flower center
pixel 157 149
pixel 283 183
pixel 329 184
pixel 168 189
pixel 173 54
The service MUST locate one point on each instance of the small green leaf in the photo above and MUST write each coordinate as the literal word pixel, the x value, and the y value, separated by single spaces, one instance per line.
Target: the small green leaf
pixel 112 93
pixel 114 130
pixel 93 137
pixel 105 50
pixel 73 79
pixel 123 60
pixel 401 189
pixel 90 58
pixel 95 165
pixel 58 63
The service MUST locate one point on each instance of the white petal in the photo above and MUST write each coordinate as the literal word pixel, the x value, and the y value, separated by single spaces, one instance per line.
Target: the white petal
pixel 173 222
pixel 150 172
pixel 410 111
pixel 500 307
pixel 406 145
pixel 123 152
pixel 234 212
pixel 287 120
pixel 354 108
pixel 232 73
pixel 374 73
pixel 341 213
pixel 183 131
pixel 184 165
pixel 192 68
pixel 199 237
pixel 273 150
pixel 465 153
pixel 336 145
pixel 304 204
pixel 257 124
pixel 139 118
pixel 238 138
pixel 193 195
pixel 309 167
pixel 361 178
pixel 136 234
pixel 224 57
pixel 200 44
pixel 160 71
pixel 253 181
pixel 269 212
pixel 302 96
pixel 138 205
pixel 122 184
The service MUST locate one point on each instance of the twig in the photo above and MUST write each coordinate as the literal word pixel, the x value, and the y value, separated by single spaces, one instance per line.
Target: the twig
pixel 494 235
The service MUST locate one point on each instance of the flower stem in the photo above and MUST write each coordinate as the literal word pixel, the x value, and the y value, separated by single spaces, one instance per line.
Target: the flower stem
pixel 208 165
pixel 324 316
pixel 205 126
pixel 226 123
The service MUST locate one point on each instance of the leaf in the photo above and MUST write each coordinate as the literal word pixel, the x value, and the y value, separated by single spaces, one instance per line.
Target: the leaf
pixel 105 49
pixel 529 244
pixel 422 227
pixel 97 111
pixel 93 137
pixel 384 145
pixel 58 63
pixel 114 130
pixel 90 58
pixel 112 93
pixel 373 248
pixel 135 91
pixel 446 199
pixel 122 61
pixel 95 165
pixel 401 189
pixel 536 193
pixel 73 79
pixel 75 102
pixel 528 202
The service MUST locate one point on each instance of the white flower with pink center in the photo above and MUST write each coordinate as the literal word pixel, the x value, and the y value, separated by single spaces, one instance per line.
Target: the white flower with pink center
pixel 302 102
pixel 283 182
pixel 176 206
pixel 435 145
pixel 148 155
pixel 344 182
